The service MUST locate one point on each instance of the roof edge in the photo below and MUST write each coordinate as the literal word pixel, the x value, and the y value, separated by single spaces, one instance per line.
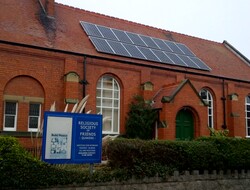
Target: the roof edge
pixel 236 52
pixel 168 99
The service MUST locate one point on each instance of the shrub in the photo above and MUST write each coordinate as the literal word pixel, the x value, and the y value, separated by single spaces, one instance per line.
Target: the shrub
pixel 20 170
pixel 146 158
pixel 141 118
pixel 235 152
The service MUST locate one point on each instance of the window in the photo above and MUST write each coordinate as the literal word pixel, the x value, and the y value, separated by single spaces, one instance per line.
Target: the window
pixel 10 116
pixel 207 97
pixel 34 116
pixel 248 115
pixel 108 104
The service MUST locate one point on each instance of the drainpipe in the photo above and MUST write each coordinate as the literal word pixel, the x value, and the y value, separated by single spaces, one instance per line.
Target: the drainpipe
pixel 84 82
pixel 223 98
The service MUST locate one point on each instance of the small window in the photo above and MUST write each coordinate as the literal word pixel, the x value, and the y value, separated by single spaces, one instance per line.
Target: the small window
pixel 108 103
pixel 34 116
pixel 248 116
pixel 10 116
pixel 208 98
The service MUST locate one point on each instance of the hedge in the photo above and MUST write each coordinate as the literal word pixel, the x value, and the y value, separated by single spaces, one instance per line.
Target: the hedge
pixel 127 158
pixel 20 170
pixel 202 154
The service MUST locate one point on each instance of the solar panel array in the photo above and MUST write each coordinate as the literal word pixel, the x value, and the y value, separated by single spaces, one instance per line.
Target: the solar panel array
pixel 128 44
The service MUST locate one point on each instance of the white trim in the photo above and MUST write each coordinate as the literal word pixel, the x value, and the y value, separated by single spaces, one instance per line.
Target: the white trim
pixel 210 101
pixel 39 119
pixel 15 122
pixel 114 88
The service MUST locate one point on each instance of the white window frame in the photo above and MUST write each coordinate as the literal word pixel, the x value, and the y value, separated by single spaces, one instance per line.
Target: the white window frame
pixel 247 104
pixel 210 108
pixel 100 87
pixel 39 118
pixel 15 115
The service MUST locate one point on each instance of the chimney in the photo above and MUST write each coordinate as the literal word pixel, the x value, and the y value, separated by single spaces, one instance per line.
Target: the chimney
pixel 48 7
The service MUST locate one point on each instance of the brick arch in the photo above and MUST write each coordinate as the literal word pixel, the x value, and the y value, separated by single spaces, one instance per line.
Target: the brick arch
pixel 211 92
pixel 37 76
pixel 112 75
pixel 24 85
pixel 196 118
pixel 121 88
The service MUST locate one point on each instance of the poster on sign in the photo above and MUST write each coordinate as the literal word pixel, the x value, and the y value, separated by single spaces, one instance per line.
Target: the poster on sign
pixel 71 138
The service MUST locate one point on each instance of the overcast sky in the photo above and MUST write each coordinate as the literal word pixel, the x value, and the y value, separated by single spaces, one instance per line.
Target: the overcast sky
pixel 214 20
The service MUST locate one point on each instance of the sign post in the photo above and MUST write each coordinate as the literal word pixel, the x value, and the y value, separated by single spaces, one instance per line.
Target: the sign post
pixel 72 138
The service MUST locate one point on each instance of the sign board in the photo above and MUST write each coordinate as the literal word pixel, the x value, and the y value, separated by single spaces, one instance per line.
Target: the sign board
pixel 71 138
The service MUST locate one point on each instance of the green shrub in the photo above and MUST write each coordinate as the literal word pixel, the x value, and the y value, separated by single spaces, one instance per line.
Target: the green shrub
pixel 127 158
pixel 235 152
pixel 137 155
pixel 20 170
pixel 148 158
pixel 140 120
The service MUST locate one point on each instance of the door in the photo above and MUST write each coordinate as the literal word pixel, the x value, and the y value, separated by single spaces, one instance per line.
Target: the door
pixel 184 125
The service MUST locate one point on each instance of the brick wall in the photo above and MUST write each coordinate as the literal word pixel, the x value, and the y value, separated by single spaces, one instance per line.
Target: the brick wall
pixel 229 180
pixel 38 73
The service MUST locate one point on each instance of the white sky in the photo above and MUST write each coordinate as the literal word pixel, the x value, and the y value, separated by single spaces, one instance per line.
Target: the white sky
pixel 214 20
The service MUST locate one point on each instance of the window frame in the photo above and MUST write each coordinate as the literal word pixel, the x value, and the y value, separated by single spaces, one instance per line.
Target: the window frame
pixel 210 108
pixel 247 111
pixel 39 117
pixel 15 117
pixel 114 108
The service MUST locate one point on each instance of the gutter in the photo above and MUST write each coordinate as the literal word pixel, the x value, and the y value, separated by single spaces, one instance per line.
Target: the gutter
pixel 123 61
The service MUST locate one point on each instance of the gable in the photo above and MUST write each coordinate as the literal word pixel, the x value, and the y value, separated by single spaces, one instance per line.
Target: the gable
pixel 183 91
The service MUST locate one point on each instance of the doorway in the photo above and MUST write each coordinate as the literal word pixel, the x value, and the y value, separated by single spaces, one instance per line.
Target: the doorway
pixel 184 125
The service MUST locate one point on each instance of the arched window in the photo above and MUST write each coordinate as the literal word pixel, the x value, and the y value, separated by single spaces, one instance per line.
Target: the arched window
pixel 108 103
pixel 208 98
pixel 248 115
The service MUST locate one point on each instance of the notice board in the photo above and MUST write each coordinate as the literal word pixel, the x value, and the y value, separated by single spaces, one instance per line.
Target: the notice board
pixel 71 138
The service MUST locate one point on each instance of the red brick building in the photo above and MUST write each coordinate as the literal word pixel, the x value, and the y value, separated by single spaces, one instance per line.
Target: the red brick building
pixel 52 52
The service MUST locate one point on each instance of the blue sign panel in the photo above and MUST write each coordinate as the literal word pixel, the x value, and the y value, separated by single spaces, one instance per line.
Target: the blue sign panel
pixel 72 138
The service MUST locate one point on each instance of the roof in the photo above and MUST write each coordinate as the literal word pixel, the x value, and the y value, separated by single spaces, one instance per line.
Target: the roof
pixel 23 21
pixel 168 92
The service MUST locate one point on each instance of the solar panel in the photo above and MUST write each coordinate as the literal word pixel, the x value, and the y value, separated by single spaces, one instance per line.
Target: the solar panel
pixel 162 45
pixel 149 42
pixel 122 36
pixel 91 29
pixel 162 56
pixel 200 63
pixel 134 51
pixel 118 48
pixel 185 49
pixel 107 33
pixel 136 39
pixel 128 44
pixel 175 59
pixel 148 54
pixel 188 61
pixel 101 45
pixel 173 47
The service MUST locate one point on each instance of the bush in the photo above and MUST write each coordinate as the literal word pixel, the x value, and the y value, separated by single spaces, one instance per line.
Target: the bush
pixel 20 170
pixel 146 158
pixel 235 152
pixel 127 158
pixel 141 118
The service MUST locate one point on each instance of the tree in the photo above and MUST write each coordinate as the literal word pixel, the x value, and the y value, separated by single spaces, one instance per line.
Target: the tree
pixel 140 120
